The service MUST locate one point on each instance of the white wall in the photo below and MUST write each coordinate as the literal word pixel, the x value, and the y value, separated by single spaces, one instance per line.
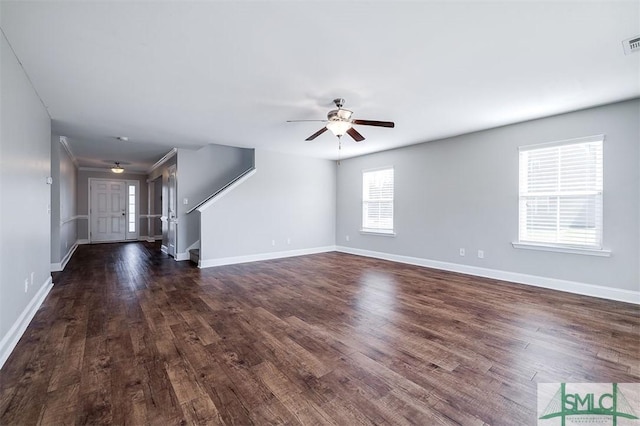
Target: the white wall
pixel 462 192
pixel 25 223
pixel 289 197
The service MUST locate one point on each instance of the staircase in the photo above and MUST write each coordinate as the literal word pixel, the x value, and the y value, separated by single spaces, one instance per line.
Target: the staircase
pixel 204 204
pixel 194 252
pixel 194 256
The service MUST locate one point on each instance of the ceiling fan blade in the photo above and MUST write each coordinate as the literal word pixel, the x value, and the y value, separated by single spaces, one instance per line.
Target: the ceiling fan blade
pixel 374 123
pixel 316 134
pixel 355 135
pixel 300 121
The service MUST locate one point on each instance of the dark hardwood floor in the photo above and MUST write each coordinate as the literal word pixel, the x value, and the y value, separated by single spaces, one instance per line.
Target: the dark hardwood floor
pixel 128 336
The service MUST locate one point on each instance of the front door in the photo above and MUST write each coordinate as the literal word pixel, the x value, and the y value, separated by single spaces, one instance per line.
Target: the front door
pixel 113 210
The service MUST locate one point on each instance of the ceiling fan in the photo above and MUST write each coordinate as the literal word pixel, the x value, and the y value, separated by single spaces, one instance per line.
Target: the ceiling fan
pixel 339 121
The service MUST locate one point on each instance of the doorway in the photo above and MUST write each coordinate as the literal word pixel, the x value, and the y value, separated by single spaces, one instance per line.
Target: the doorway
pixel 172 234
pixel 113 210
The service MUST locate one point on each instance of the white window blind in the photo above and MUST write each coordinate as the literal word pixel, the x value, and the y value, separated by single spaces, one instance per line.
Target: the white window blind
pixel 561 194
pixel 377 201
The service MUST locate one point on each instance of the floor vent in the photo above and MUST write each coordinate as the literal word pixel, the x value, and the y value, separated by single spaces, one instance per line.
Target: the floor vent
pixel 631 45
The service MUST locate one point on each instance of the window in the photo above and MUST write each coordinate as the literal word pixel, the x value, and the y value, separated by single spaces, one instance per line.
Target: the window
pixel 561 194
pixel 131 220
pixel 377 201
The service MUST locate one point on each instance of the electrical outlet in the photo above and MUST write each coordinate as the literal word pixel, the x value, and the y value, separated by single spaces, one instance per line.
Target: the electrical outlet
pixel 273 242
pixel 346 238
pixel 26 285
pixel 288 240
pixel 481 254
pixel 461 252
pixel 185 201
pixel 32 277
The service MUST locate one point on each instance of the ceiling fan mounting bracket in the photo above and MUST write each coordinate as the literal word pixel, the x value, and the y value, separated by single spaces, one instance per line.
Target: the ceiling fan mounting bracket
pixel 339 102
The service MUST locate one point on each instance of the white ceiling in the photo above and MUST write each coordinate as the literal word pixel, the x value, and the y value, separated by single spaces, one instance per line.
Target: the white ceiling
pixel 186 74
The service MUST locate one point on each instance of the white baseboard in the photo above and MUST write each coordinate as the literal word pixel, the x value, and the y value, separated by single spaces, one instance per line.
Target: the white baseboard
pixel 151 239
pixel 164 249
pixel 208 263
pixel 602 292
pixel 10 340
pixel 80 242
pixel 182 256
pixel 56 267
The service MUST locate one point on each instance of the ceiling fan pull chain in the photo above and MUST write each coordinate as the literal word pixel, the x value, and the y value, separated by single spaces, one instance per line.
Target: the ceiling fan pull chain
pixel 339 149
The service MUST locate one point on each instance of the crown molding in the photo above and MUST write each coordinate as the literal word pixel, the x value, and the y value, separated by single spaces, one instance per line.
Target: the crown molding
pixel 163 160
pixel 65 144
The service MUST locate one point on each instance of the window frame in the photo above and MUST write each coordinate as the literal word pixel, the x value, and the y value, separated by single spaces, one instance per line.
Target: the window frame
pixel 389 232
pixel 594 250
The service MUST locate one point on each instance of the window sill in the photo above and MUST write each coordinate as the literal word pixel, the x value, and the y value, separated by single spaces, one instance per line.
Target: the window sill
pixel 378 233
pixel 558 249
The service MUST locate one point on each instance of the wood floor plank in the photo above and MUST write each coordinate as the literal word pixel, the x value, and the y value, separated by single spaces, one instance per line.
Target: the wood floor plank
pixel 60 406
pixel 127 394
pixel 306 411
pixel 401 410
pixel 201 411
pixel 127 335
pixel 224 395
pixel 160 400
pixel 95 408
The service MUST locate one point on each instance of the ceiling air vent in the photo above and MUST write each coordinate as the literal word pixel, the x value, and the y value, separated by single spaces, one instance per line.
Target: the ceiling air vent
pixel 631 45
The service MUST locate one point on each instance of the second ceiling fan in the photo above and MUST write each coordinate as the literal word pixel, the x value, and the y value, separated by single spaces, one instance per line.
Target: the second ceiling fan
pixel 339 121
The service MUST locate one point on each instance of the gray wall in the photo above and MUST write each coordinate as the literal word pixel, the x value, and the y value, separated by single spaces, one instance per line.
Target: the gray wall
pixel 25 163
pixel 200 174
pixel 156 209
pixel 63 201
pixel 462 192
pixel 55 199
pixel 289 197
pixel 68 201
pixel 83 197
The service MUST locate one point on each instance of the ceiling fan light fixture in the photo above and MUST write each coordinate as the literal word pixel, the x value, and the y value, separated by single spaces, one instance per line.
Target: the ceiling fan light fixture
pixel 117 168
pixel 339 121
pixel 338 127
